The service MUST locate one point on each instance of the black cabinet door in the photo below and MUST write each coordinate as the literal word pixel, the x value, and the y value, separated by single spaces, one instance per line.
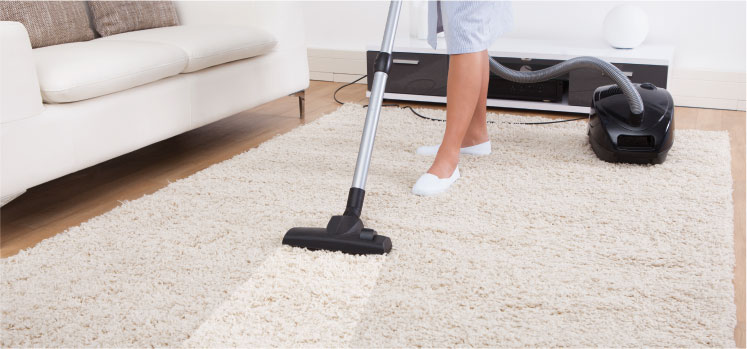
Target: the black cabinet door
pixel 528 64
pixel 583 82
pixel 413 73
pixel 549 91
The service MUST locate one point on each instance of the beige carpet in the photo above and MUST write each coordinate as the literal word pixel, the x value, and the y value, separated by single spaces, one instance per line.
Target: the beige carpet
pixel 539 244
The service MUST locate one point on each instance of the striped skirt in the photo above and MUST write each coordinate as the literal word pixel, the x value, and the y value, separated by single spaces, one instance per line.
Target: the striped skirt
pixel 469 26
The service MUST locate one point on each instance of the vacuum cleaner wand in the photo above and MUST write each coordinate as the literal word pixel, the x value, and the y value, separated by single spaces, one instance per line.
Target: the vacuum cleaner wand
pixel 346 232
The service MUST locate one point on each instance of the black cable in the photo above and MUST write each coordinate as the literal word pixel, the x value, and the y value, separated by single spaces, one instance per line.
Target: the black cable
pixel 496 122
pixel 334 95
pixel 545 122
pixel 421 115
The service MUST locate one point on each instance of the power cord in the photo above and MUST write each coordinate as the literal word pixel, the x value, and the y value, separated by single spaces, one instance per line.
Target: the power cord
pixel 334 96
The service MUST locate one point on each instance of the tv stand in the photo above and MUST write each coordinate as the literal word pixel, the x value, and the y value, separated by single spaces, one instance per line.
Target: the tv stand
pixel 419 73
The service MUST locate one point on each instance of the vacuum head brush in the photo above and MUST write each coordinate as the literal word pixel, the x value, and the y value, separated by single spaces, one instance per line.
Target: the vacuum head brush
pixel 343 233
pixel 618 135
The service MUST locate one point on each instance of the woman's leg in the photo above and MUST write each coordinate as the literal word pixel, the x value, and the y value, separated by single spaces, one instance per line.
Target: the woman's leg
pixel 465 87
pixel 477 132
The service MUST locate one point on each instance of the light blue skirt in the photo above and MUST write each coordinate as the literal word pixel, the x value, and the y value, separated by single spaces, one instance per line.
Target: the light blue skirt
pixel 469 26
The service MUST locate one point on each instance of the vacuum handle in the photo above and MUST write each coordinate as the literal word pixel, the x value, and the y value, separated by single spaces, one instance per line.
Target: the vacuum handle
pixel 381 72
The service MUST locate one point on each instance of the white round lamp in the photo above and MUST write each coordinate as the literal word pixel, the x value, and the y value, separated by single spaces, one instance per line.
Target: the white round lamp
pixel 625 26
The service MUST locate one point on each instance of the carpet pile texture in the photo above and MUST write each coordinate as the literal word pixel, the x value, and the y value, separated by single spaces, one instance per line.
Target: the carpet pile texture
pixel 538 244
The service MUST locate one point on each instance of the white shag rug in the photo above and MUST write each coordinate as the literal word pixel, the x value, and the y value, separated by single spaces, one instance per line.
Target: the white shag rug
pixel 539 244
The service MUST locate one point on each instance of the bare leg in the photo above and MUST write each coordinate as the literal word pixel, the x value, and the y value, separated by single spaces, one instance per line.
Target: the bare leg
pixel 463 92
pixel 477 132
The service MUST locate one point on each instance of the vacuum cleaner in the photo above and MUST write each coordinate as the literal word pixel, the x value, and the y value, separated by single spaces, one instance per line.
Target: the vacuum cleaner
pixel 631 123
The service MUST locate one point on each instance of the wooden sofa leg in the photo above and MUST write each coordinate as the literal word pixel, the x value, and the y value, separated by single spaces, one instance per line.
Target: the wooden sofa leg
pixel 301 102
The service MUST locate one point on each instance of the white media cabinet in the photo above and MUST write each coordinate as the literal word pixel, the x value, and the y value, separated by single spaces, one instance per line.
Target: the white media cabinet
pixel 419 72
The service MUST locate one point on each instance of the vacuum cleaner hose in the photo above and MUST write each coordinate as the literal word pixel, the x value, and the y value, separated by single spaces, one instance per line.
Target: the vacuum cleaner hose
pixel 622 81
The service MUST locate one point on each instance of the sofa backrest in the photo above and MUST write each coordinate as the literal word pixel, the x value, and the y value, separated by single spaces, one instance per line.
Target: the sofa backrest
pixel 284 19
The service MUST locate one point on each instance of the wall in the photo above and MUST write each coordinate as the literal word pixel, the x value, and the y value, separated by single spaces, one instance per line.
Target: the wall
pixel 709 36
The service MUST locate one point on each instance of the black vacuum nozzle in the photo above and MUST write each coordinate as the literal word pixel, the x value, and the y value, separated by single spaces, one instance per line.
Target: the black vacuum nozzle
pixel 343 233
pixel 320 239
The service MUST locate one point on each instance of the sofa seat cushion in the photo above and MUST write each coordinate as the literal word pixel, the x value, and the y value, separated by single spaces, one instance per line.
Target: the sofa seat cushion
pixel 206 45
pixel 82 70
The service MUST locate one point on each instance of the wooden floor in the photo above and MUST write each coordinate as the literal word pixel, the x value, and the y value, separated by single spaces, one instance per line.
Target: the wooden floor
pixel 52 207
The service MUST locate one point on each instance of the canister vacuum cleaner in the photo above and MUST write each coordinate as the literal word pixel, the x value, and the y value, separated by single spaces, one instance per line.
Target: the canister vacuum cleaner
pixel 630 123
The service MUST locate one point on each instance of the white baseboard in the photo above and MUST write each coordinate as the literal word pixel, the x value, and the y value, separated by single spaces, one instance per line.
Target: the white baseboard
pixel 321 76
pixel 337 65
pixel 708 89
pixel 689 88
pixel 336 77
pixel 705 102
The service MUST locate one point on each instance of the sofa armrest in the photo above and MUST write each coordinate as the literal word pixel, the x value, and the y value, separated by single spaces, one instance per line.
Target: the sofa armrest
pixel 19 86
pixel 283 19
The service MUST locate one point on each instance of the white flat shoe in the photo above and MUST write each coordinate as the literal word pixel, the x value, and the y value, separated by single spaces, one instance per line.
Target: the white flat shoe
pixel 477 149
pixel 429 184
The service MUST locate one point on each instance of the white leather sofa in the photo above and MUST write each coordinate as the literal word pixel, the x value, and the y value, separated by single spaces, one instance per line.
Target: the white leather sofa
pixel 70 106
